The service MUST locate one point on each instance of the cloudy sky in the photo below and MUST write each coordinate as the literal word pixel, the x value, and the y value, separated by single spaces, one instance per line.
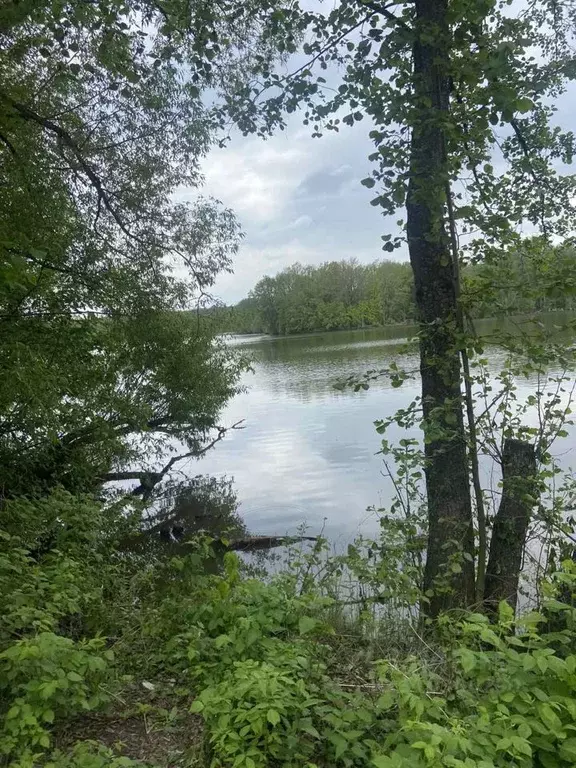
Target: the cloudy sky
pixel 300 199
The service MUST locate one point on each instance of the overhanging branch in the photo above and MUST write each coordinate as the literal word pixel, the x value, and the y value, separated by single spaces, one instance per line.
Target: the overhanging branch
pixel 66 139
pixel 149 479
pixel 383 11
pixel 539 181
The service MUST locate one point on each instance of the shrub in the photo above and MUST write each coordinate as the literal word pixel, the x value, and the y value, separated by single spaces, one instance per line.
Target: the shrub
pixel 44 677
pixel 87 754
pixel 500 699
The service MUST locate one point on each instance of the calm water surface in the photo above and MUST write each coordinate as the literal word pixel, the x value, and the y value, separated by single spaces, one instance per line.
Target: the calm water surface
pixel 308 452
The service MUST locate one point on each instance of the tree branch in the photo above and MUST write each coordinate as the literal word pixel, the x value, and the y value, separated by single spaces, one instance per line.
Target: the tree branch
pixel 383 11
pixel 8 143
pixel 327 47
pixel 28 114
pixel 539 181
pixel 150 479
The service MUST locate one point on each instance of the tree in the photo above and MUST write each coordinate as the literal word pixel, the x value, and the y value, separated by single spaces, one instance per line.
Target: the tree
pixel 335 295
pixel 447 86
pixel 106 110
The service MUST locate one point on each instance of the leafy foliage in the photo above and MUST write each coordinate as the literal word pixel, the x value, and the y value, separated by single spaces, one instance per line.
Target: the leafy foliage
pixel 108 109
pixel 45 676
pixel 98 261
pixel 526 278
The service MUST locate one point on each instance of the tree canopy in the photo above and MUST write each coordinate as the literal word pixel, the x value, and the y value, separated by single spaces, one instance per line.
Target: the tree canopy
pixel 522 279
pixel 107 110
pixel 332 296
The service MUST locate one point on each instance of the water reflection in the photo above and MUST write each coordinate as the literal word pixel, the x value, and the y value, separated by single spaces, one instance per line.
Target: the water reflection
pixel 308 453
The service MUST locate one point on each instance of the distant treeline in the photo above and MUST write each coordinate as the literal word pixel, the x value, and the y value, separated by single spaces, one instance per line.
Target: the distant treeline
pixel 346 294
pixel 332 296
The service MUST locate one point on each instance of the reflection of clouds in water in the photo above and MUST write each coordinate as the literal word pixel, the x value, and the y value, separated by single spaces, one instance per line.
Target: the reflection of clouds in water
pixel 308 450
pixel 281 478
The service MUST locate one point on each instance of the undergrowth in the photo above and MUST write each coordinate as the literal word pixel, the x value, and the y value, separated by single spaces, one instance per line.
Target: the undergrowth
pixel 282 671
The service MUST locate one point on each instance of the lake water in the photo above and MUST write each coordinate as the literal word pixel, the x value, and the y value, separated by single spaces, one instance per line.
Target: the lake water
pixel 308 452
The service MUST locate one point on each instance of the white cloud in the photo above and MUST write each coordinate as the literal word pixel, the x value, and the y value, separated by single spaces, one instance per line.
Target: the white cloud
pixel 253 263
pixel 301 221
pixel 256 178
pixel 297 199
pixel 342 170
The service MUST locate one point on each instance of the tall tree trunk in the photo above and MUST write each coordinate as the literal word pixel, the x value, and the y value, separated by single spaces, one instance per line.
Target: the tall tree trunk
pixel 511 524
pixel 451 531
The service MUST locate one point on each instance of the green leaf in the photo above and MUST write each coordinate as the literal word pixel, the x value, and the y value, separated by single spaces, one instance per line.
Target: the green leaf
pixel 273 717
pixel 503 744
pixel 339 742
pixel 568 749
pixel 549 717
pixel 310 730
pixel 386 761
pixel 522 746
pixel 467 659
pixel 307 624
pixel 524 104
pixel 464 212
pixel 368 182
pixel 505 612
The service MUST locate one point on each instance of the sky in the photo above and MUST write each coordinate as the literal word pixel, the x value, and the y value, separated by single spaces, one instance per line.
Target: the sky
pixel 299 199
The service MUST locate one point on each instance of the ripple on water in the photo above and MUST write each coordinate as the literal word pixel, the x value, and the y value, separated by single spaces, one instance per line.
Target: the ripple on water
pixel 308 451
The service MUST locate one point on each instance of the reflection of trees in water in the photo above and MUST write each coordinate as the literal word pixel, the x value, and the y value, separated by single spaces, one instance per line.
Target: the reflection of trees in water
pixel 307 367
pixel 203 503
pixel 181 509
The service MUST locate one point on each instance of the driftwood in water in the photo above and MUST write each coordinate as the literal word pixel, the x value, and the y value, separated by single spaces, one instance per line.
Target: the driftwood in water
pixel 259 543
pixel 511 524
pixel 176 535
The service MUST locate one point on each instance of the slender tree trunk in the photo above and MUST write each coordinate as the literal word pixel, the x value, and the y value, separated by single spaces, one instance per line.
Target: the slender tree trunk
pixel 449 576
pixel 511 524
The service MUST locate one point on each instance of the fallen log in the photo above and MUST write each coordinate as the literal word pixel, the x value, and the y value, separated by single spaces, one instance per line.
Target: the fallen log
pixel 260 543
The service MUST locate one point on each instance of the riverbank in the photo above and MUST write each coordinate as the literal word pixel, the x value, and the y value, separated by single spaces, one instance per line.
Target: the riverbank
pixel 225 670
pixel 410 329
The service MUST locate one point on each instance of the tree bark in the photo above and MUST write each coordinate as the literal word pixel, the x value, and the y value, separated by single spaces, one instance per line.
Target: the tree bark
pixel 511 524
pixel 451 532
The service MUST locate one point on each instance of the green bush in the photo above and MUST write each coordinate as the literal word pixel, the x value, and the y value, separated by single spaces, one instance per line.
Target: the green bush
pixel 55 587
pixel 499 699
pixel 43 677
pixel 87 754
pixel 262 659
pixel 258 650
pixel 482 696
pixel 35 596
